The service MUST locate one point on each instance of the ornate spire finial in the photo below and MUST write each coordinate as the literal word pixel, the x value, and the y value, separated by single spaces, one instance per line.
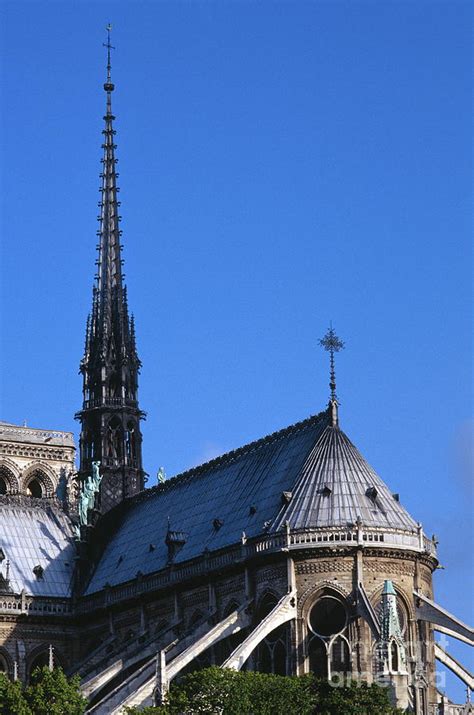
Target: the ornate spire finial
pixel 108 86
pixel 332 344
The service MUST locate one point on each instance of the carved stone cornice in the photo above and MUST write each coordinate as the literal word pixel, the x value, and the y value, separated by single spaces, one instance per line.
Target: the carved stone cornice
pixel 17 449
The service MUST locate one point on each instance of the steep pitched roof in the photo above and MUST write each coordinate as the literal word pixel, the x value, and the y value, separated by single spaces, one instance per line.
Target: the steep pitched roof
pixel 326 480
pixel 336 486
pixel 242 490
pixel 36 533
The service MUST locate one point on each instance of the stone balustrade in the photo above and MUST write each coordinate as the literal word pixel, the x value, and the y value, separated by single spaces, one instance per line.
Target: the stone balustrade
pixel 283 541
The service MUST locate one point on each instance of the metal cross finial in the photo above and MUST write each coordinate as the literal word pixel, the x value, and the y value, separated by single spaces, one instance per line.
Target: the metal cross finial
pixel 109 47
pixel 332 344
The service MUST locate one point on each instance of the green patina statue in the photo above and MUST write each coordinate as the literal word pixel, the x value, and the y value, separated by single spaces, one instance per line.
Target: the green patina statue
pixel 90 488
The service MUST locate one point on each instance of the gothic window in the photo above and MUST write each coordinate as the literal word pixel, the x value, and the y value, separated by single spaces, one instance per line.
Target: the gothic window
pixel 204 659
pixel 8 481
pixel 328 617
pixel 318 657
pixel 39 661
pixel 271 652
pixel 37 484
pixel 229 644
pixel 394 657
pixel 328 650
pixel 340 659
pixel 34 488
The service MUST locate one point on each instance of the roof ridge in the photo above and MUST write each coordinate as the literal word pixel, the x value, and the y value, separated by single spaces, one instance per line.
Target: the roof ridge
pixel 229 456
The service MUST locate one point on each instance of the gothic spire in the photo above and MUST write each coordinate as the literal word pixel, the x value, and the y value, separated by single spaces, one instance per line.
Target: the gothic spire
pixel 109 281
pixel 110 414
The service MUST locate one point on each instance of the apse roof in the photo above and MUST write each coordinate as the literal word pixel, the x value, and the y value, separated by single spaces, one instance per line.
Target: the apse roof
pixel 35 533
pixel 337 486
pixel 309 474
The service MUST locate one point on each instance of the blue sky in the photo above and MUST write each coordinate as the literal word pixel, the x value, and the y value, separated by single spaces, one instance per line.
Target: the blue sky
pixel 282 164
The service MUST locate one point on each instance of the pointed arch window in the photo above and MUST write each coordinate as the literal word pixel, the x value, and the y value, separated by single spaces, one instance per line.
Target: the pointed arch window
pixel 229 644
pixel 8 481
pixel 318 657
pixel 271 653
pixel 328 649
pixel 34 488
pixel 40 660
pixel 340 658
pixel 328 617
pixel 394 656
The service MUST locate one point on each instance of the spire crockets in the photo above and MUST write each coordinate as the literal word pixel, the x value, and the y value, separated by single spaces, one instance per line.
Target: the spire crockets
pixel 110 414
pixel 332 344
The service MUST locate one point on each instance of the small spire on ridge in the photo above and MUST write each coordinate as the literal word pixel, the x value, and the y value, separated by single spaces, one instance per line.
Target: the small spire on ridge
pixel 332 344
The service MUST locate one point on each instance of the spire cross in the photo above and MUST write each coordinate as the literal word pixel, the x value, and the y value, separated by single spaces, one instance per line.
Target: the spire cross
pixel 109 47
pixel 332 344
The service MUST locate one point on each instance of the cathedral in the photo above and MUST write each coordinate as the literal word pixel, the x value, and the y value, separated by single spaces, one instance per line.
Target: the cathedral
pixel 287 555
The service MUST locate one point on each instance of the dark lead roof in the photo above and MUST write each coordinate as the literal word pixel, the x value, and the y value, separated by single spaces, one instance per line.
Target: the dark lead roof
pixel 35 533
pixel 309 474
pixel 337 486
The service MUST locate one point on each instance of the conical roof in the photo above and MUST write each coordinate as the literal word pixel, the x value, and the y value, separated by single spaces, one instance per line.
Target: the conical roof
pixel 336 486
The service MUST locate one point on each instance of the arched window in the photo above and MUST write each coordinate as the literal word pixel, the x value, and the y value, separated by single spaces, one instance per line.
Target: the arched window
pixel 271 652
pixel 279 658
pixel 328 651
pixel 39 661
pixel 340 658
pixel 394 656
pixel 318 657
pixel 8 481
pixel 37 483
pixel 227 646
pixel 34 488
pixel 40 658
pixel 328 617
